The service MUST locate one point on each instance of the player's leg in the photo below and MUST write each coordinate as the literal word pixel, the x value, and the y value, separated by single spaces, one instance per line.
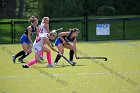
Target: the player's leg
pixel 60 47
pixel 17 55
pixel 33 61
pixel 42 55
pixel 24 41
pixel 72 49
pixel 48 55
pixel 25 47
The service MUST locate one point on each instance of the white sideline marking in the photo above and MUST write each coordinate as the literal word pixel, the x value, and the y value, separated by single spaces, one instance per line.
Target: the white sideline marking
pixel 128 43
pixel 78 74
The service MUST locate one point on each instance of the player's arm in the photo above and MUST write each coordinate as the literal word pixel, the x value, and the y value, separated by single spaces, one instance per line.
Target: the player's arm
pixel 29 33
pixel 46 26
pixel 60 35
pixel 49 44
pixel 75 49
pixel 37 32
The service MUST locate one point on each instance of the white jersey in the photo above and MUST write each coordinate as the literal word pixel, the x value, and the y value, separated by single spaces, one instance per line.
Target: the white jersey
pixel 38 43
pixel 42 29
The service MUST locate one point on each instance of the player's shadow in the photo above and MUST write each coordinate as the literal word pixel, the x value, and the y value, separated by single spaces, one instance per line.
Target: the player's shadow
pixel 61 66
pixel 42 62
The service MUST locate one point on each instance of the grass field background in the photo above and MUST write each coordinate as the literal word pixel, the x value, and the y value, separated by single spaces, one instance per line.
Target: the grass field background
pixel 120 74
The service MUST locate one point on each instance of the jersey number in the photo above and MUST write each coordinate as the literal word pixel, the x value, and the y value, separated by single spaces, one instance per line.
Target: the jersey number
pixel 40 30
pixel 38 39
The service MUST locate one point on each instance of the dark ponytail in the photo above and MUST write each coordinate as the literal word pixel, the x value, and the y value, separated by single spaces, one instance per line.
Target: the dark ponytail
pixel 32 19
pixel 74 30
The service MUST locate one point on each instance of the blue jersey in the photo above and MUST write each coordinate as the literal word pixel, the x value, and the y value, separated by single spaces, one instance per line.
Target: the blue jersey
pixel 24 38
pixel 66 38
pixel 33 31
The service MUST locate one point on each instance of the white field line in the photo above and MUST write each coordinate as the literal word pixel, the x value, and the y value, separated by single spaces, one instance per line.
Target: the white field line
pixel 78 74
pixel 128 43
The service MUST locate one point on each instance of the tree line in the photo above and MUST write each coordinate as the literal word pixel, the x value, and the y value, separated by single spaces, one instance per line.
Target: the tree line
pixel 67 8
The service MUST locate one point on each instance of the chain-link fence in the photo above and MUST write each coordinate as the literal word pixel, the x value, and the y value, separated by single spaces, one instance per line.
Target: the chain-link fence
pixel 120 28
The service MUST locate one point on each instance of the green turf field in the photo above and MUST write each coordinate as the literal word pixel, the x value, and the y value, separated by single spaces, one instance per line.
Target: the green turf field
pixel 120 74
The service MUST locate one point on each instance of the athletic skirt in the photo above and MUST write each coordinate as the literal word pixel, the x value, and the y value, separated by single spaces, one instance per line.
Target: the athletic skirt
pixel 24 39
pixel 58 41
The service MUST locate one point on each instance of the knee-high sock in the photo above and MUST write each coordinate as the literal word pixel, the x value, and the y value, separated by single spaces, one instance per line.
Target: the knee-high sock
pixel 23 56
pixel 57 58
pixel 48 54
pixel 34 61
pixel 19 54
pixel 41 54
pixel 71 53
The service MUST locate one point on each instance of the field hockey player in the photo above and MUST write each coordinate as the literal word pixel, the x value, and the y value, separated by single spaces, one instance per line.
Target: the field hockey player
pixel 43 28
pixel 39 45
pixel 26 41
pixel 63 41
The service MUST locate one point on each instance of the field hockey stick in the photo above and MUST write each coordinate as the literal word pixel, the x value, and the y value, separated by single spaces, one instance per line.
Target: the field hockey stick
pixel 67 60
pixel 57 30
pixel 28 50
pixel 93 58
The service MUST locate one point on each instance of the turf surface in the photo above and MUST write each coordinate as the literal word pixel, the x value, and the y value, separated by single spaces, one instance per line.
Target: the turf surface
pixel 120 74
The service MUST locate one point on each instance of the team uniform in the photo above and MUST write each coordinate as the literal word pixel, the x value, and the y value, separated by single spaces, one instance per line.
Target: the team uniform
pixel 37 47
pixel 66 38
pixel 38 43
pixel 59 41
pixel 42 29
pixel 24 37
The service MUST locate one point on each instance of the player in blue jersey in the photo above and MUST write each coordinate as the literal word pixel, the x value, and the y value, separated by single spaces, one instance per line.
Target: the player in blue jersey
pixel 26 40
pixel 63 41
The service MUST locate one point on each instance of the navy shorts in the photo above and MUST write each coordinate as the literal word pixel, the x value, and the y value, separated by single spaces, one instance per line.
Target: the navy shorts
pixel 24 39
pixel 58 41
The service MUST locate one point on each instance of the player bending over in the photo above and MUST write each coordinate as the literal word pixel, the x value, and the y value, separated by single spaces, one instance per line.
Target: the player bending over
pixel 39 46
pixel 43 28
pixel 26 41
pixel 63 41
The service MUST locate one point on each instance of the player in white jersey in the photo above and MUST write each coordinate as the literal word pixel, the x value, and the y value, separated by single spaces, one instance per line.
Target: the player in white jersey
pixel 43 28
pixel 39 46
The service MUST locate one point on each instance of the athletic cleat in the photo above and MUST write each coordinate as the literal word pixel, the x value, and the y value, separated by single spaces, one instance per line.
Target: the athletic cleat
pixel 13 58
pixel 41 58
pixel 21 60
pixel 55 63
pixel 50 65
pixel 25 66
pixel 72 63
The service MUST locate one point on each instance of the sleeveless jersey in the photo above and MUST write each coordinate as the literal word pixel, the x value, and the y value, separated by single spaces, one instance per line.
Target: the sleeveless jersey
pixel 42 29
pixel 67 38
pixel 38 43
pixel 32 32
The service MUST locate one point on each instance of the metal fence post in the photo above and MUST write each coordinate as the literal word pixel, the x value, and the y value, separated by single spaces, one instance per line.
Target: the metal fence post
pixel 12 31
pixel 123 28
pixel 86 27
pixel 83 29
